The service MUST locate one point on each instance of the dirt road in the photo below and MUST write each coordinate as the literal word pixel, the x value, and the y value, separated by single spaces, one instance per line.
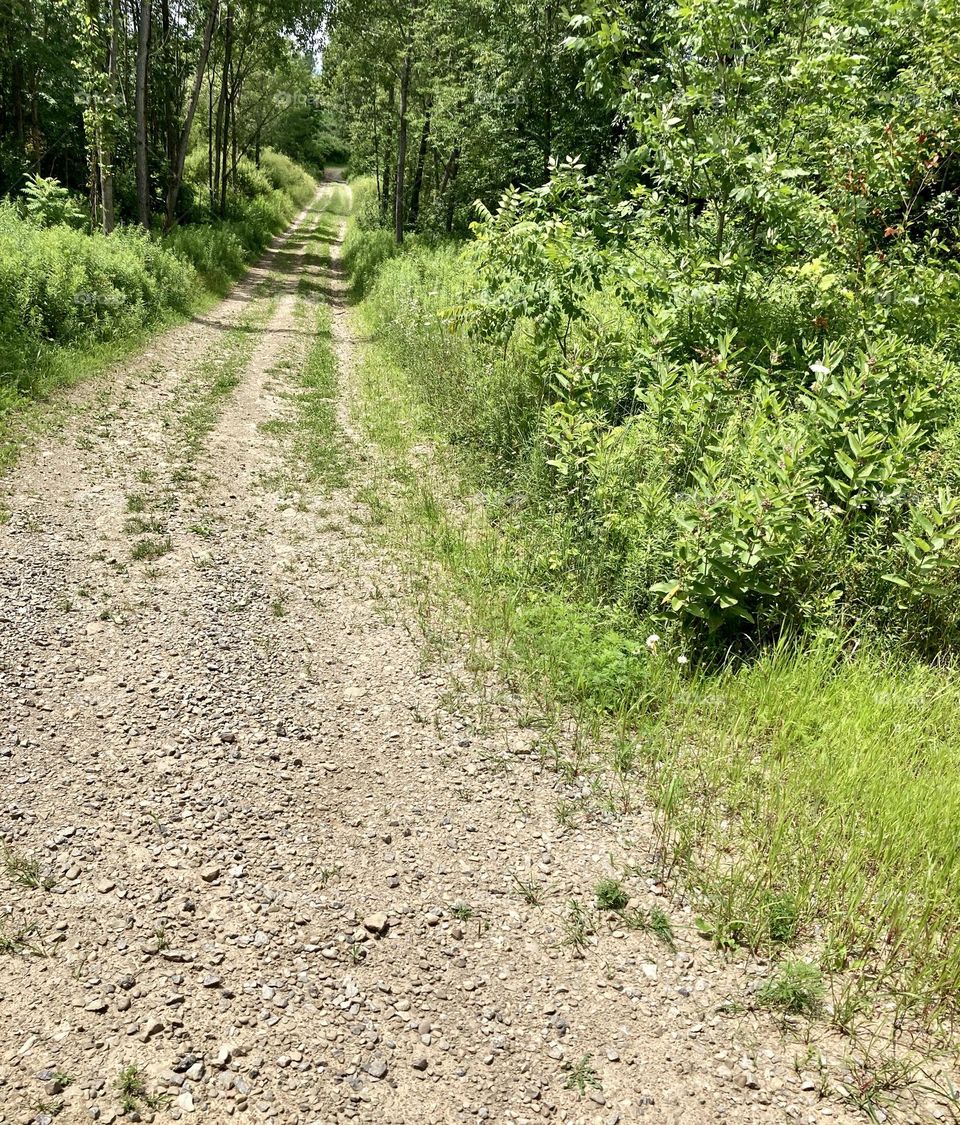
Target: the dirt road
pixel 261 862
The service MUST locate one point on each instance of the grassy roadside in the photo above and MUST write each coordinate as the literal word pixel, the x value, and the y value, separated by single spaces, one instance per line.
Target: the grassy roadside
pixel 805 800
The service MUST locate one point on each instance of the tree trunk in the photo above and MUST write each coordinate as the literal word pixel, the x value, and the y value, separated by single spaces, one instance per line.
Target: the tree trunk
pixel 398 192
pixel 449 177
pixel 234 138
pixel 376 146
pixel 225 106
pixel 210 139
pixel 106 187
pixel 143 174
pixel 171 108
pixel 176 172
pixel 218 131
pixel 418 175
pixel 105 155
pixel 93 149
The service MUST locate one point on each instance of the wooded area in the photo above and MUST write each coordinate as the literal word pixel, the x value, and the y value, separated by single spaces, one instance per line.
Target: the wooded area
pixel 711 324
pixel 109 99
pixel 449 103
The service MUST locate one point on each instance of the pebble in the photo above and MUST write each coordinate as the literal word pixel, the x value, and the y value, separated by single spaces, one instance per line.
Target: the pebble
pixel 376 923
pixel 377 1068
pixel 151 1028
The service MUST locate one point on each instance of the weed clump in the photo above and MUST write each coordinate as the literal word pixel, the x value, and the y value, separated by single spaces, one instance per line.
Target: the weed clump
pixel 796 987
pixel 611 895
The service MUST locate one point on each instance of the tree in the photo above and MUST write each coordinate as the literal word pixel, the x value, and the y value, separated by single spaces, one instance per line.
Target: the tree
pixel 104 94
pixel 175 177
pixel 486 86
pixel 143 174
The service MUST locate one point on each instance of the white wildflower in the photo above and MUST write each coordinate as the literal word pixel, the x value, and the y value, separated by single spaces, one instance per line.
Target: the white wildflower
pixel 682 660
pixel 652 641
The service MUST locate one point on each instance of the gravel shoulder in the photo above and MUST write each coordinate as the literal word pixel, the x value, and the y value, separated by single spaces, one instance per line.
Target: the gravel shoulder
pixel 291 875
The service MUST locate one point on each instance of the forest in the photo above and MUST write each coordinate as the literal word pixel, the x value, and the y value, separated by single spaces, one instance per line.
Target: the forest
pixel 672 290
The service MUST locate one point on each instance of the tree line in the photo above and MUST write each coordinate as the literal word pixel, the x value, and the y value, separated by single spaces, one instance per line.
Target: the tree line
pixel 110 96
pixel 449 102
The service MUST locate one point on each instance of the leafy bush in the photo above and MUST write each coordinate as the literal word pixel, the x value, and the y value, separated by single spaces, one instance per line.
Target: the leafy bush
pixel 213 249
pixel 47 202
pixel 287 176
pixel 745 476
pixel 717 386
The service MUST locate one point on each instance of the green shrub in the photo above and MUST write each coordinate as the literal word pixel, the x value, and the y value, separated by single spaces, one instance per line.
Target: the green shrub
pixel 47 202
pixel 213 249
pixel 735 483
pixel 288 177
pixel 59 285
pixel 611 895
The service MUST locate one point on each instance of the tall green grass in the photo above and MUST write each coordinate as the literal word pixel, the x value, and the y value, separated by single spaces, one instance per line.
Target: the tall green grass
pixel 61 287
pixel 368 244
pixel 807 793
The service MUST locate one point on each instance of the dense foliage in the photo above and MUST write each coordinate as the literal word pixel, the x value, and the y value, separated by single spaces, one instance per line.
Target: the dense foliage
pixel 805 793
pixel 447 103
pixel 716 375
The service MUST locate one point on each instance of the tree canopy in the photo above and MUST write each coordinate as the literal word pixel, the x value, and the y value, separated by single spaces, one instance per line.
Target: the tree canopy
pixel 447 103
